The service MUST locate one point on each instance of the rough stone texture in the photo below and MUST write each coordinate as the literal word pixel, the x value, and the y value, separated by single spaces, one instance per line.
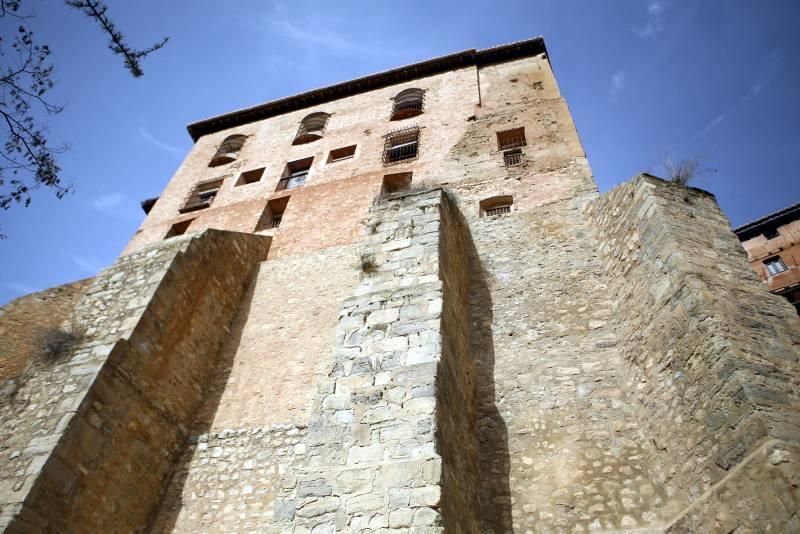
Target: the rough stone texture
pixel 391 441
pixel 23 320
pixel 758 495
pixel 98 432
pixel 711 355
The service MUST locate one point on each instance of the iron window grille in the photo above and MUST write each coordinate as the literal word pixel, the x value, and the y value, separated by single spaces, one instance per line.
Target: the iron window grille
pixel 293 180
pixel 498 210
pixel 311 128
pixel 276 221
pixel 201 196
pixel 408 103
pixel 229 150
pixel 401 145
pixel 511 139
pixel 775 265
pixel 512 158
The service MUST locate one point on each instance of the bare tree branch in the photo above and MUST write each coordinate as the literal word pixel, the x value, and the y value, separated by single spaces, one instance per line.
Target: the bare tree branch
pixel 96 10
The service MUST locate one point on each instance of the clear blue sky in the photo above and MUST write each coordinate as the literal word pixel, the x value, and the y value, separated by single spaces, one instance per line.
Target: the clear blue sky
pixel 716 79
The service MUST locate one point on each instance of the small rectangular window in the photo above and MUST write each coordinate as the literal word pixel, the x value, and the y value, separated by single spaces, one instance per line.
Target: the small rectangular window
pixel 179 228
pixel 202 195
pixel 250 177
pixel 272 214
pixel 774 265
pixel 401 145
pixel 342 153
pixel 295 174
pixel 771 233
pixel 396 183
pixel 512 158
pixel 509 139
pixel 499 205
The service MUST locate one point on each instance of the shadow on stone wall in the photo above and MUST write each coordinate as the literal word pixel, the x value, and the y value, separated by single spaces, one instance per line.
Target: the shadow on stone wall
pixel 166 517
pixel 493 455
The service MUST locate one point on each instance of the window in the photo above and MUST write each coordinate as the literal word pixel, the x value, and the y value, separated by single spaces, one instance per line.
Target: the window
pixel 396 183
pixel 179 228
pixel 342 153
pixel 273 214
pixel 295 174
pixel 401 145
pixel 499 205
pixel 229 150
pixel 509 139
pixel 311 128
pixel 512 158
pixel 774 265
pixel 250 177
pixel 771 233
pixel 202 195
pixel 407 104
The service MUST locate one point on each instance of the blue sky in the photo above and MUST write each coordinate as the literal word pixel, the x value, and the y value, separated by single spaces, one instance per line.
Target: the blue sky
pixel 718 80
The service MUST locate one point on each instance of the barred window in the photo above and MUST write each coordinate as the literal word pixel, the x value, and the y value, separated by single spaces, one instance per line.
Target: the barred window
pixel 774 265
pixel 407 104
pixel 401 145
pixel 272 215
pixel 202 195
pixel 311 128
pixel 499 205
pixel 512 158
pixel 229 150
pixel 509 139
pixel 295 174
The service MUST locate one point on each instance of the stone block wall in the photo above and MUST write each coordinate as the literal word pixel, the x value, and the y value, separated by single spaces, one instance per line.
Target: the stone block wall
pixel 390 442
pixel 98 432
pixel 711 356
pixel 24 320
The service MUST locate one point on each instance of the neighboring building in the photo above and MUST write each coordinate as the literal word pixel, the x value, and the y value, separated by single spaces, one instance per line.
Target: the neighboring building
pixel 399 304
pixel 773 249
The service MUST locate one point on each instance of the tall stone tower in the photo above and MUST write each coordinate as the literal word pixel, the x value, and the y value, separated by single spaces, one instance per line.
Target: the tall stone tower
pixel 398 304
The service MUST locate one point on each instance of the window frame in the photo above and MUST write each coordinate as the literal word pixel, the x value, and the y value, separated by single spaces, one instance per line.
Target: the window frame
pixel 775 261
pixel 389 147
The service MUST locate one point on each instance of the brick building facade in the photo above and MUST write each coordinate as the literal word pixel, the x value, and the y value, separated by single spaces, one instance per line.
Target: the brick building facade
pixel 400 304
pixel 773 250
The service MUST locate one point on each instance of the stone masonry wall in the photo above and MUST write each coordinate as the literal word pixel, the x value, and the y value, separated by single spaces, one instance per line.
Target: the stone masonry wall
pixel 712 357
pixel 98 432
pixel 24 320
pixel 399 387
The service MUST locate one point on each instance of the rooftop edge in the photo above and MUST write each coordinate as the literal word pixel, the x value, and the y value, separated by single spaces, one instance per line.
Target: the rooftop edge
pixel 516 50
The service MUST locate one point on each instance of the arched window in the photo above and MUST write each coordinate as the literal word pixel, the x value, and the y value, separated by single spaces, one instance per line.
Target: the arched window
pixel 311 128
pixel 229 150
pixel 498 205
pixel 407 104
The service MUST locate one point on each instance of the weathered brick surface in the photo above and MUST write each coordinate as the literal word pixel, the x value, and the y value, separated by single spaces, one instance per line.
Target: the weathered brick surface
pixel 96 433
pixel 24 320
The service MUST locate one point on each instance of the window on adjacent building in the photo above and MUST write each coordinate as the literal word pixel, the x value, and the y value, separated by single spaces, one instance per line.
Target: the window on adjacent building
pixel 508 139
pixel 396 183
pixel 342 153
pixel 407 103
pixel 311 128
pixel 401 145
pixel 512 158
pixel 272 214
pixel 774 265
pixel 295 174
pixel 498 205
pixel 771 233
pixel 202 195
pixel 179 228
pixel 250 177
pixel 229 150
